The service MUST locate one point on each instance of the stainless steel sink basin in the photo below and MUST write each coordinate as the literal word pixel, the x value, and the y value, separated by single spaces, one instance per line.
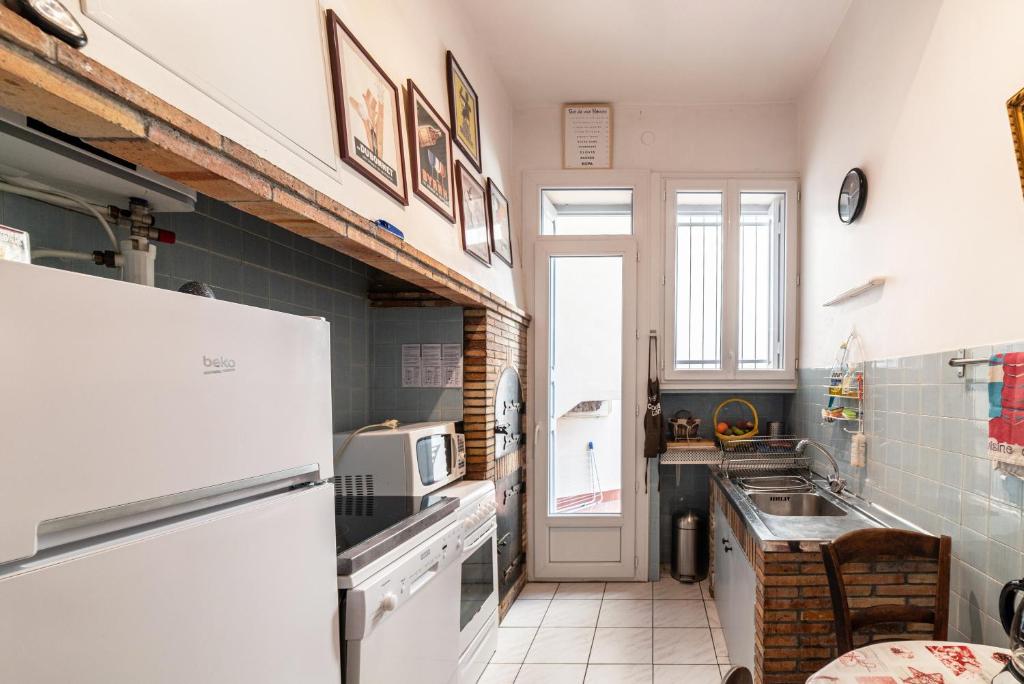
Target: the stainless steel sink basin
pixel 775 483
pixel 809 505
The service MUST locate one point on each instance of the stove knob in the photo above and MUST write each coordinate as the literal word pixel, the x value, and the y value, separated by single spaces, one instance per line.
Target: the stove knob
pixel 388 602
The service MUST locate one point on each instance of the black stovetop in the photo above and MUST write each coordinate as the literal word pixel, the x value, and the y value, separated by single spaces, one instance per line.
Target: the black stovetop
pixel 358 518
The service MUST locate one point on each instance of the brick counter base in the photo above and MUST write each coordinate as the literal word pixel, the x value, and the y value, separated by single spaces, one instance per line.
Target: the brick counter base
pixel 794 631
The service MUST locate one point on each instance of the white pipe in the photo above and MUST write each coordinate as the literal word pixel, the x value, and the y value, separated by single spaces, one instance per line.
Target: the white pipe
pixel 61 199
pixel 60 254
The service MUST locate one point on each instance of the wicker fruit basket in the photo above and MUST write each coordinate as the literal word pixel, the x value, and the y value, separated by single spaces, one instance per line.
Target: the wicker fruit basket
pixel 728 441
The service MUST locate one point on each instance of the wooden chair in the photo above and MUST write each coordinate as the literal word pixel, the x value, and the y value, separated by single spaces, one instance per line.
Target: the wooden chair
pixel 738 675
pixel 866 546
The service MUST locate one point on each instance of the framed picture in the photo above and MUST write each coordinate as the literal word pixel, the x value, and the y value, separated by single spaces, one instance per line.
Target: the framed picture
pixel 464 108
pixel 498 222
pixel 587 136
pixel 367 105
pixel 473 212
pixel 430 153
pixel 1015 108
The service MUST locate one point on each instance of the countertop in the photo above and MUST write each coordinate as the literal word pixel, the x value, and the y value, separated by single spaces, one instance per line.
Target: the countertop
pixel 359 556
pixel 805 533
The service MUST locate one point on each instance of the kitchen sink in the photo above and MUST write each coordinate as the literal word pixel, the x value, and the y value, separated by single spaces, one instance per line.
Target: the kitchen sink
pixel 775 483
pixel 808 505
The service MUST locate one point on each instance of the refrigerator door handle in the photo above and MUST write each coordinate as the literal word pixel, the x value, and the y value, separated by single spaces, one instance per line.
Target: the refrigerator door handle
pixel 89 525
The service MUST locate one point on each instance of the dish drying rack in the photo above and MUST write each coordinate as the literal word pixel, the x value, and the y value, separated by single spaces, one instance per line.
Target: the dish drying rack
pixel 761 453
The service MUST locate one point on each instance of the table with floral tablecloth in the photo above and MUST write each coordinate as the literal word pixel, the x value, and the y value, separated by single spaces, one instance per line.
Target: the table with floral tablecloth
pixel 914 662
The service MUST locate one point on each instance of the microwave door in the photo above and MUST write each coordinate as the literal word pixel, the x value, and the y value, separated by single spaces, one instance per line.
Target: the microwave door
pixel 433 458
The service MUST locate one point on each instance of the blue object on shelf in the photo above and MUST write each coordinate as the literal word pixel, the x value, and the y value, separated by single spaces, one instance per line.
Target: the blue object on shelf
pixel 381 223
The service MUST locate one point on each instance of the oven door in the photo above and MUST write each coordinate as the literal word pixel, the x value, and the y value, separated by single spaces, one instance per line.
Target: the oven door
pixel 479 598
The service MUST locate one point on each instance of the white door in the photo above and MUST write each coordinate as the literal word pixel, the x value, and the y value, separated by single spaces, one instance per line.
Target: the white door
pixel 587 408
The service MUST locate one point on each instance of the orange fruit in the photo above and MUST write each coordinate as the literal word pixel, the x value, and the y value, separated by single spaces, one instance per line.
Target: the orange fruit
pixel 722 428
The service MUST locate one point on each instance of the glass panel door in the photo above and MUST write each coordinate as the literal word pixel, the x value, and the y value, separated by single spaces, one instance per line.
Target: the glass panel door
pixel 585 406
pixel 586 461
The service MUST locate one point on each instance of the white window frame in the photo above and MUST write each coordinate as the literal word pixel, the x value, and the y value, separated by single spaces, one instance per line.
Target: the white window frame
pixel 729 376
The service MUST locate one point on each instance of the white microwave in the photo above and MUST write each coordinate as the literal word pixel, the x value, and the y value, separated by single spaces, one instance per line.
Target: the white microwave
pixel 410 460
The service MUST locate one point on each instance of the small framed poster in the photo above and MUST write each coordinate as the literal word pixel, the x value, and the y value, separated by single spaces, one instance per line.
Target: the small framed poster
pixel 366 104
pixel 430 153
pixel 587 136
pixel 464 108
pixel 1015 108
pixel 498 223
pixel 473 213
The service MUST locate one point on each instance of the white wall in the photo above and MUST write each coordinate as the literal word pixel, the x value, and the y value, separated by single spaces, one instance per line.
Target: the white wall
pixel 707 138
pixel 408 38
pixel 914 93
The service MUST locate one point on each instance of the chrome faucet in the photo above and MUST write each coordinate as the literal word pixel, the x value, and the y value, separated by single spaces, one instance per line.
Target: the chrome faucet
pixel 836 484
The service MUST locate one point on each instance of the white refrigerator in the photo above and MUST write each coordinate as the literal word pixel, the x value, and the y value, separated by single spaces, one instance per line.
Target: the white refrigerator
pixel 164 515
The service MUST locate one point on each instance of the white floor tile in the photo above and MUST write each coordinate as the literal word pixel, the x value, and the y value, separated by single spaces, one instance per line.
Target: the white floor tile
pixel 538 590
pixel 721 650
pixel 580 590
pixel 580 613
pixel 561 645
pixel 687 674
pixel 628 590
pixel 499 674
pixel 625 613
pixel 513 643
pixel 668 588
pixel 551 674
pixel 527 613
pixel 712 611
pixel 684 646
pixel 621 645
pixel 705 588
pixel 619 674
pixel 680 613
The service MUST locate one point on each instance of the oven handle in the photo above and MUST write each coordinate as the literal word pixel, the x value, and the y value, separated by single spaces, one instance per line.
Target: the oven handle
pixel 489 532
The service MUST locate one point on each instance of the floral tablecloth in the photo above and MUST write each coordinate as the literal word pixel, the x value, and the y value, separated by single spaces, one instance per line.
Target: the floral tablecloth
pixel 914 662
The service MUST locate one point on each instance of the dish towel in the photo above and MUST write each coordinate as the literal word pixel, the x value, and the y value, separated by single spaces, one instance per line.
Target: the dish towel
pixel 1006 412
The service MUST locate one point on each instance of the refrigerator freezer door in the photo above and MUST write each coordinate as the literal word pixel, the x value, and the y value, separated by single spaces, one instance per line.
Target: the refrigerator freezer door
pixel 244 595
pixel 114 393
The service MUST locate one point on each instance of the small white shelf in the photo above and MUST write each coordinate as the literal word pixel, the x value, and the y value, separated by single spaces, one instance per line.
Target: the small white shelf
pixel 855 291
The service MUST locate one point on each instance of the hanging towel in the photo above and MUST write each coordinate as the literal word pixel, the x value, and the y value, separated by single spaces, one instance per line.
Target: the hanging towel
pixel 1006 412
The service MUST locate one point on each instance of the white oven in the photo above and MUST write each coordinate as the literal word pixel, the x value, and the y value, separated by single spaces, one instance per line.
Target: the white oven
pixel 410 460
pixel 478 600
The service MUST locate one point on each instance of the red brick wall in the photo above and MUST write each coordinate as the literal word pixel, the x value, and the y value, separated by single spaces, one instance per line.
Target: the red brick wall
pixel 493 341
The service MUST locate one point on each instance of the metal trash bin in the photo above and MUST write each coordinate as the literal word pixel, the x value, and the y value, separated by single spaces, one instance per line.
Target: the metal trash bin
pixel 684 547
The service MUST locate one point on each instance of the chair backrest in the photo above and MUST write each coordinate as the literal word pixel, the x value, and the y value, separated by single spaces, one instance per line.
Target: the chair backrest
pixel 871 545
pixel 738 675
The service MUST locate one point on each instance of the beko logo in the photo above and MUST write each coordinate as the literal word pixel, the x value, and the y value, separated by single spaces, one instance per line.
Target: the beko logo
pixel 217 364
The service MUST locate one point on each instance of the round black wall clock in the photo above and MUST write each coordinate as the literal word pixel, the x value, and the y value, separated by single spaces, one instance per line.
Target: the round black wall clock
pixel 852 195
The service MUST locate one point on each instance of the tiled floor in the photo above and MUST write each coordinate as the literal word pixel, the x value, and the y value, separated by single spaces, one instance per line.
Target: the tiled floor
pixel 660 632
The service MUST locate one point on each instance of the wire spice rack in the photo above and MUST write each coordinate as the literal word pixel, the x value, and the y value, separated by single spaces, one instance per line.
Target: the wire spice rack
pixel 845 391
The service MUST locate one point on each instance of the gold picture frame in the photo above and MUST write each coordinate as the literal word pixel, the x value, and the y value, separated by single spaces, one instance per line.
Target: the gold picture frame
pixel 1015 108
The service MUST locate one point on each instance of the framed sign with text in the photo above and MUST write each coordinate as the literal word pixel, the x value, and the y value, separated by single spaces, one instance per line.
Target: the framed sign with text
pixel 586 136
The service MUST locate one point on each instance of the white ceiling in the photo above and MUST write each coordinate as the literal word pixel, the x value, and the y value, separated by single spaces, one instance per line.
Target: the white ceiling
pixel 655 51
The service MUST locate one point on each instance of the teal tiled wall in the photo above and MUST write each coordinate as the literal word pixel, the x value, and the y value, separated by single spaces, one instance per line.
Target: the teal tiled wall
pixel 245 260
pixel 390 329
pixel 927 461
